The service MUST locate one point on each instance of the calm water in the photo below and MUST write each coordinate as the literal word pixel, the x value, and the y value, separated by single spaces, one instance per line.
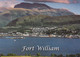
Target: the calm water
pixel 67 46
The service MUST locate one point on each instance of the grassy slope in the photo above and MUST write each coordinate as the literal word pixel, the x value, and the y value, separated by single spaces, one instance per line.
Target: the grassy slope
pixel 9 15
pixel 43 20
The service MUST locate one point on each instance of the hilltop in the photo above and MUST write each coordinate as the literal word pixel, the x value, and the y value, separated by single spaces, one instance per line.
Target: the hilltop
pixel 39 6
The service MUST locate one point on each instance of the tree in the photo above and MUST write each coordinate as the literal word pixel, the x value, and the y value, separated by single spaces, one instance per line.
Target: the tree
pixel 77 55
pixel 60 55
pixel 10 54
pixel 29 54
pixel 53 55
pixel 72 55
pixel 1 54
pixel 38 54
pixel 67 55
pixel 25 54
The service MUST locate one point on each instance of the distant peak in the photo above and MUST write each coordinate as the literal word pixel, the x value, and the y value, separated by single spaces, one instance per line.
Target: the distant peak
pixel 39 6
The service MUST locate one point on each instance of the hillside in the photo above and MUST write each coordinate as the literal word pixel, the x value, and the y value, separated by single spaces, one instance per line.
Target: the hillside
pixel 13 13
pixel 43 20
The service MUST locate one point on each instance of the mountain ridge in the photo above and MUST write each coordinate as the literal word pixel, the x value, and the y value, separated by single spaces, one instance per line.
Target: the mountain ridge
pixel 39 6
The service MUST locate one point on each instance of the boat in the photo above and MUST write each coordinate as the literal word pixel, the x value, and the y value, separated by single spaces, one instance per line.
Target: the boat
pixel 14 40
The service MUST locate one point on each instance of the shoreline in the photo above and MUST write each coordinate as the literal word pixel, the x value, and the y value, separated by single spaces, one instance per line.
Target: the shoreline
pixel 23 37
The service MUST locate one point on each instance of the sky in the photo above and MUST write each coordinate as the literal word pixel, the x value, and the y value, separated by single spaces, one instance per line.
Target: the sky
pixel 59 1
pixel 71 5
pixel 75 8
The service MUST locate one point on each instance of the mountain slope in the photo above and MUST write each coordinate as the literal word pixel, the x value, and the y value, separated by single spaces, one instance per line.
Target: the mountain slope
pixel 43 20
pixel 13 13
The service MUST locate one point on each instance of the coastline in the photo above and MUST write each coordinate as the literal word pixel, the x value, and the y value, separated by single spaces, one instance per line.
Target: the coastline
pixel 23 37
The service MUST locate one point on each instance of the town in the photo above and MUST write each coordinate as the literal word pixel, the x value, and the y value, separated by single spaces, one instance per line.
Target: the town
pixel 47 32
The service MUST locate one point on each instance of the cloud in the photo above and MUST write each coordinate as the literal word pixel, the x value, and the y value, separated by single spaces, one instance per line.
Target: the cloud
pixel 58 1
pixel 8 3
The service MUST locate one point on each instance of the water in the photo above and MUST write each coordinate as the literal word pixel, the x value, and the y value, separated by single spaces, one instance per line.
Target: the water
pixel 66 46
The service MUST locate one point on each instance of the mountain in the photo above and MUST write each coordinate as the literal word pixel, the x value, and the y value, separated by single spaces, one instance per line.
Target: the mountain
pixel 44 9
pixel 39 6
pixel 48 21
pixel 13 13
